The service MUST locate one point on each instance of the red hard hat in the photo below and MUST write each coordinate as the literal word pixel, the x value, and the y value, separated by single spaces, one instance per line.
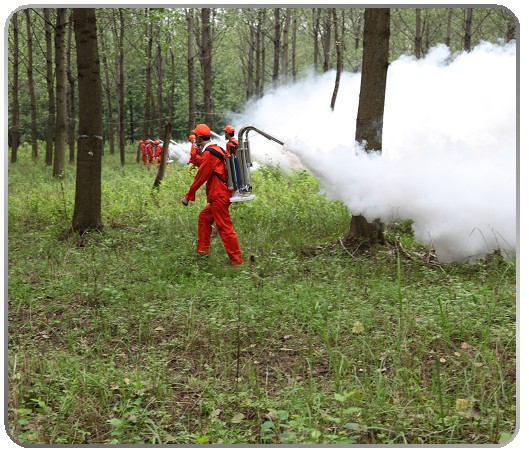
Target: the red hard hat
pixel 140 141
pixel 156 142
pixel 229 129
pixel 192 137
pixel 148 141
pixel 202 130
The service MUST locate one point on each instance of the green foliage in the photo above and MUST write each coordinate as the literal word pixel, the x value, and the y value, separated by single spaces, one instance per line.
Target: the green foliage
pixel 125 336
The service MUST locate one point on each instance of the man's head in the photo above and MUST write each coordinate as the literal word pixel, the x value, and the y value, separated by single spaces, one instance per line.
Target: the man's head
pixel 229 131
pixel 202 132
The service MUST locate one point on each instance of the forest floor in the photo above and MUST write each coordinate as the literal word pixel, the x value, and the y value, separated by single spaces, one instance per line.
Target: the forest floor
pixel 126 336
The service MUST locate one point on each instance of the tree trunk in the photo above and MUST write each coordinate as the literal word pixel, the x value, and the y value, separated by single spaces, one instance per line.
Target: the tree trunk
pixel 70 107
pixel 339 56
pixel 31 88
pixel 260 54
pixel 87 210
pixel 60 77
pixel 369 123
pixel 327 21
pixel 277 44
pixel 206 62
pixel 15 109
pixel 163 161
pixel 284 46
pixel 108 96
pixel 448 38
pixel 191 70
pixel 50 130
pixel 121 87
pixel 418 34
pixel 159 75
pixel 294 44
pixel 511 29
pixel 148 81
pixel 316 14
pixel 468 29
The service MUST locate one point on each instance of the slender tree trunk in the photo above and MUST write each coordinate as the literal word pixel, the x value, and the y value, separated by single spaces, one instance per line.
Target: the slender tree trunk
pixel 163 163
pixel 121 87
pixel 468 29
pixel 511 29
pixel 316 14
pixel 418 35
pixel 294 43
pixel 170 101
pixel 15 109
pixel 327 25
pixel 206 61
pixel 87 209
pixel 108 96
pixel 159 75
pixel 50 130
pixel 60 77
pixel 277 45
pixel 284 46
pixel 31 88
pixel 191 69
pixel 370 117
pixel 339 55
pixel 70 108
pixel 260 57
pixel 448 39
pixel 250 81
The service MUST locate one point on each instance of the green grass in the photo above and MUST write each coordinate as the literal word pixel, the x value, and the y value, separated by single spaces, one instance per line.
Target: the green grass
pixel 125 336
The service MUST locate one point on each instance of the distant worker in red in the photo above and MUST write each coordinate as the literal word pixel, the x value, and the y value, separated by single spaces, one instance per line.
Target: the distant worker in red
pixel 149 151
pixel 233 143
pixel 157 151
pixel 142 151
pixel 195 155
pixel 212 171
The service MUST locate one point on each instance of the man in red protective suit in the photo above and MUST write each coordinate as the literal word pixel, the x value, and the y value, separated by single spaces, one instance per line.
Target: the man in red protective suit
pixel 212 171
pixel 157 151
pixel 142 151
pixel 233 143
pixel 149 151
pixel 195 155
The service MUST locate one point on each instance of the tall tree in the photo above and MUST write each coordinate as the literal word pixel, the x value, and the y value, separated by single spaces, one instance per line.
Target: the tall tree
pixel 70 107
pixel 468 29
pixel 191 122
pixel 338 33
pixel 87 209
pixel 50 129
pixel 370 118
pixel 60 85
pixel 119 36
pixel 31 87
pixel 206 61
pixel 15 108
pixel 284 45
pixel 277 44
pixel 108 93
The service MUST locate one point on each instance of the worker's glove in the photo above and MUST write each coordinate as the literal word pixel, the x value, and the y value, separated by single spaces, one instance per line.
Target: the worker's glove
pixel 184 201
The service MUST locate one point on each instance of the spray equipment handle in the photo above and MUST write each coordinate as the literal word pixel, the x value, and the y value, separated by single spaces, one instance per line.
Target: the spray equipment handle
pixel 246 129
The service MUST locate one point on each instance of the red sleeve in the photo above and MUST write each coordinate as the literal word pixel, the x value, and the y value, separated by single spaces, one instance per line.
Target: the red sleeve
pixel 204 172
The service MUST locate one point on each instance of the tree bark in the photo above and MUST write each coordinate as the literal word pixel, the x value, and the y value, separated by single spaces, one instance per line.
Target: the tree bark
pixel 468 29
pixel 15 109
pixel 277 45
pixel 148 80
pixel 206 61
pixel 369 123
pixel 60 84
pixel 163 162
pixel 191 69
pixel 284 46
pixel 70 105
pixel 50 130
pixel 87 210
pixel 31 88
pixel 339 56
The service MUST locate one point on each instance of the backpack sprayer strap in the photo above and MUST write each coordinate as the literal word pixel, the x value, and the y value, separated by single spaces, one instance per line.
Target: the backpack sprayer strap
pixel 217 154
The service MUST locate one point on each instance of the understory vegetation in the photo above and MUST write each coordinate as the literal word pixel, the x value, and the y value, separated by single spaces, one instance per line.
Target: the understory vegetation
pixel 125 336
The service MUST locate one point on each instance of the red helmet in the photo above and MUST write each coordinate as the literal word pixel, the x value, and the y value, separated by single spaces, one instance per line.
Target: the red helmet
pixel 140 141
pixel 191 137
pixel 202 130
pixel 229 129
pixel 156 142
pixel 148 141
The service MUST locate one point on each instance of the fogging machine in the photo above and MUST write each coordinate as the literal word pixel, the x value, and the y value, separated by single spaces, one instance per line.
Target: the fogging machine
pixel 239 163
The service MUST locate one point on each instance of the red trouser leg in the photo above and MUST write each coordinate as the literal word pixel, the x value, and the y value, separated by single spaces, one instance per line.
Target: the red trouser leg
pixel 205 222
pixel 218 212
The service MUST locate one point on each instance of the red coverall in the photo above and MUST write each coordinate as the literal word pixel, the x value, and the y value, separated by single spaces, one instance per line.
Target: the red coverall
pixel 150 154
pixel 143 152
pixel 195 156
pixel 218 197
